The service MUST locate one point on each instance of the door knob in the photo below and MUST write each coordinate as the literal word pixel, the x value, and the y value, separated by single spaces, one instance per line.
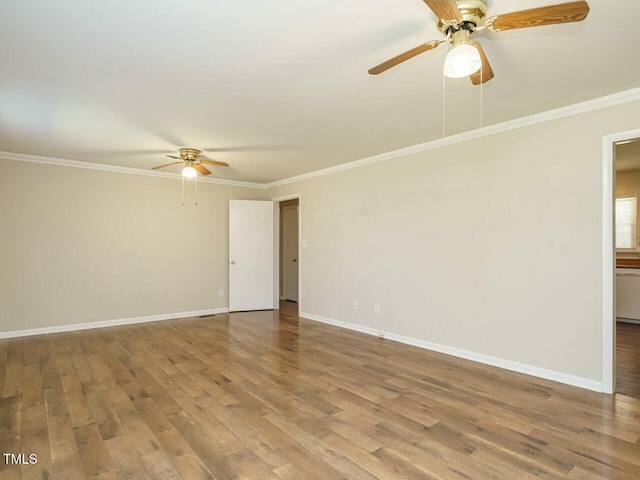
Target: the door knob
pixel 232 262
pixel 295 260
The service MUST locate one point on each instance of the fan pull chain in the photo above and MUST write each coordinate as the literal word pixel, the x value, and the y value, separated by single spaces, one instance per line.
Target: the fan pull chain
pixel 183 191
pixel 196 190
pixel 481 96
pixel 444 104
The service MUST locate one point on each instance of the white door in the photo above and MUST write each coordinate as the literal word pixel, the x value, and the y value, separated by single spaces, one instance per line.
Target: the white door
pixel 250 255
pixel 290 252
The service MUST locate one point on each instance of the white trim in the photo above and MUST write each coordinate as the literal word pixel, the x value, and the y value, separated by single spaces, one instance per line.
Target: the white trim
pixel 341 324
pixel 550 115
pixel 276 256
pixel 547 116
pixel 62 162
pixel 300 256
pixel 608 257
pixel 467 355
pixel 110 323
pixel 284 198
pixel 608 279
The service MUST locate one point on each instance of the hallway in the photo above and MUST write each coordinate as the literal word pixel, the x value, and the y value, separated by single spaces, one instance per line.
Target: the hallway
pixel 628 359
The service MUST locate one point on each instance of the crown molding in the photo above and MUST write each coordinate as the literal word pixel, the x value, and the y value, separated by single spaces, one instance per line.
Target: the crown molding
pixel 62 162
pixel 550 115
pixel 599 103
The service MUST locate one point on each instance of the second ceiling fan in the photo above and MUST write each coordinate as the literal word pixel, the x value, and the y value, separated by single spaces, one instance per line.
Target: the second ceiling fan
pixel 460 19
pixel 193 163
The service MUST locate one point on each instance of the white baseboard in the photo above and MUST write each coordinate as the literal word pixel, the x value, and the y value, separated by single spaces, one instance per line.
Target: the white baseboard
pixel 553 375
pixel 110 323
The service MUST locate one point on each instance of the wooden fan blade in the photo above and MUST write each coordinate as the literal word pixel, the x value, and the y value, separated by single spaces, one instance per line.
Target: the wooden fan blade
pixel 214 162
pixel 166 165
pixel 486 71
pixel 404 57
pixel 173 156
pixel 537 17
pixel 203 170
pixel 446 10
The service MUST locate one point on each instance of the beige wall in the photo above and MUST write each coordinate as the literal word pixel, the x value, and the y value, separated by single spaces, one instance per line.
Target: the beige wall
pixel 83 245
pixel 628 183
pixel 492 245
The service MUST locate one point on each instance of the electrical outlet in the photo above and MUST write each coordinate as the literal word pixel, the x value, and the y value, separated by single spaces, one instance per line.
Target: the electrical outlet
pixel 376 309
pixel 220 293
pixel 355 305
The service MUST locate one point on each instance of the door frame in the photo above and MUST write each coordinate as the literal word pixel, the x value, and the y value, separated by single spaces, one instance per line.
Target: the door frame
pixel 609 256
pixel 276 244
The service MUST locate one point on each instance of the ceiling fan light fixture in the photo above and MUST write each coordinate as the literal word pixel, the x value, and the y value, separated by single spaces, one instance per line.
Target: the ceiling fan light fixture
pixel 462 61
pixel 189 172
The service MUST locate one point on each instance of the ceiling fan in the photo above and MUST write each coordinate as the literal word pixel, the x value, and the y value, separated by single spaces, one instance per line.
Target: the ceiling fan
pixel 460 19
pixel 193 164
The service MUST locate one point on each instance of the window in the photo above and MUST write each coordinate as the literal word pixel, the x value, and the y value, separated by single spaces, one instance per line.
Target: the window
pixel 626 223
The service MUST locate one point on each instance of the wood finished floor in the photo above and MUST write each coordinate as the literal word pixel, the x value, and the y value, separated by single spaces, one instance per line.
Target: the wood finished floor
pixel 628 359
pixel 265 395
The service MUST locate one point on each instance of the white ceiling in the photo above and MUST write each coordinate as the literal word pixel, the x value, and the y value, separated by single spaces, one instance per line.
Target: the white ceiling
pixel 277 88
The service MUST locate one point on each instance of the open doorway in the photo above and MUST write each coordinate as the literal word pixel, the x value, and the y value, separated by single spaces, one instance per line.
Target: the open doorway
pixel 627 267
pixel 288 254
pixel 610 144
